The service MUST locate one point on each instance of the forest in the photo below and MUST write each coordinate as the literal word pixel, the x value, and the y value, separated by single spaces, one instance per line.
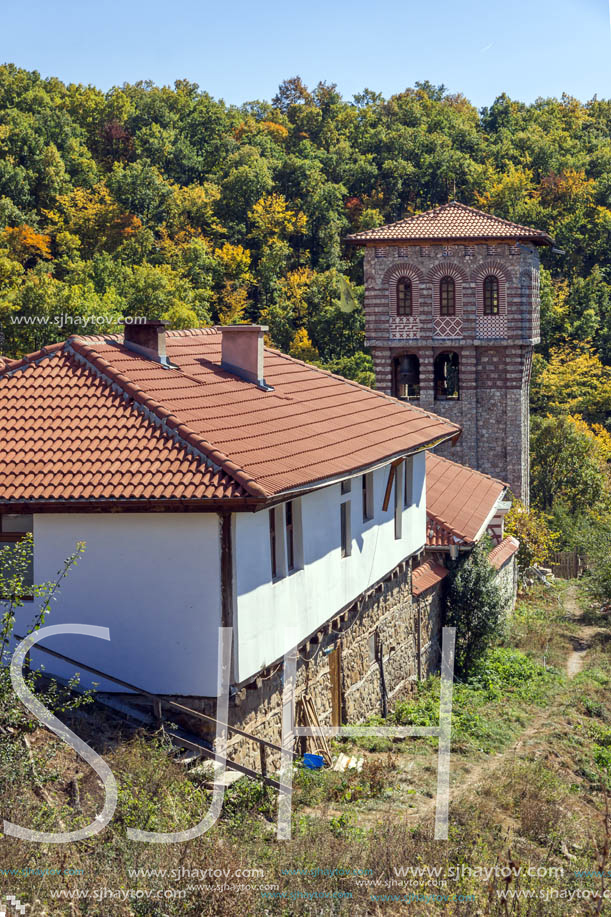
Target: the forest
pixel 167 203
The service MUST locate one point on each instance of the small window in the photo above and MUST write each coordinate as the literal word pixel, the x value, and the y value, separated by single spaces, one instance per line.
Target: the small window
pixel 273 542
pixel 345 487
pixel 367 497
pixel 491 295
pixel 16 523
pixel 290 536
pixel 447 296
pixel 404 296
pixel 14 528
pixel 346 534
pixel 408 483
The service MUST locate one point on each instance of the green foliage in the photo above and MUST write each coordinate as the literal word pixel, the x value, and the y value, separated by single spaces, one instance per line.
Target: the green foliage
pixel 475 607
pixel 571 482
pixel 483 705
pixel 531 528
pixel 135 201
pixel 568 463
pixel 598 575
pixel 572 381
pixel 358 367
pixel 15 585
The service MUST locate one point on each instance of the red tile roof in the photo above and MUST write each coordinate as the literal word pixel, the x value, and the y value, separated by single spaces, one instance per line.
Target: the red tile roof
pixel 499 555
pixel 452 222
pixel 90 420
pixel 427 575
pixel 459 500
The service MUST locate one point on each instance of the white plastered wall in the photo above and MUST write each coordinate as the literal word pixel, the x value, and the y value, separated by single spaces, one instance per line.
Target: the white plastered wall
pixel 153 579
pixel 327 582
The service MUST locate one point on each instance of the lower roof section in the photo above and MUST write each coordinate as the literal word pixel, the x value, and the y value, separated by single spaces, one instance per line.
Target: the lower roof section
pixel 426 576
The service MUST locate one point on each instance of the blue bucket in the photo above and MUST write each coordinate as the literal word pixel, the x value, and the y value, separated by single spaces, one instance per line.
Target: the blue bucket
pixel 313 762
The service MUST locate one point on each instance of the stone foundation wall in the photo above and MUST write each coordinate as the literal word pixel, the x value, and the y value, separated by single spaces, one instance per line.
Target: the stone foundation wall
pixel 507 578
pixel 388 631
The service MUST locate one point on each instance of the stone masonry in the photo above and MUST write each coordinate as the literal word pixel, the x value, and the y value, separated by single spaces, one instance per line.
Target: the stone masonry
pixel 494 351
pixel 387 637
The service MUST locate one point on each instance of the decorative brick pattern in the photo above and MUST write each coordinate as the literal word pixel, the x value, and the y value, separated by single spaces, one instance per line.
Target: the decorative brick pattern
pixel 447 327
pixel 495 351
pixel 404 327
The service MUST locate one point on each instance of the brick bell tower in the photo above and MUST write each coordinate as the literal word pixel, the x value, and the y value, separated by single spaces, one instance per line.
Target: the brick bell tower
pixel 452 316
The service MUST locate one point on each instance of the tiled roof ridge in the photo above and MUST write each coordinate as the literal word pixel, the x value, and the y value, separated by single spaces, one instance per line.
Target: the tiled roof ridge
pixel 217 329
pixel 418 217
pixel 8 366
pixel 502 545
pixel 169 422
pixel 366 388
pixel 170 332
pixel 481 474
pixel 422 568
pixel 491 216
pixel 426 576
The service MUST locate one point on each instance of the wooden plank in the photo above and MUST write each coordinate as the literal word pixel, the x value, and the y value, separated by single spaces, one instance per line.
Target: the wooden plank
pixel 179 739
pixel 389 483
pixel 226 571
pixel 154 697
pixel 335 673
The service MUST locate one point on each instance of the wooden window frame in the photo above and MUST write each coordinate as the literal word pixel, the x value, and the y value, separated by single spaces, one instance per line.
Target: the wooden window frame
pixel 289 524
pixel 273 542
pixel 368 504
pixel 14 538
pixel 345 528
pixel 447 296
pixel 492 295
pixel 398 502
pixel 404 297
pixel 408 482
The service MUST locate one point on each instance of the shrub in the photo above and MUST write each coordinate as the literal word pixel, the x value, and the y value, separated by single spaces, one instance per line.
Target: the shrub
pixel 476 608
pixel 531 528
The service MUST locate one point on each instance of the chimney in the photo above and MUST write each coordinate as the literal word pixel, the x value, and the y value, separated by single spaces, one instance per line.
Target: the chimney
pixel 242 353
pixel 147 339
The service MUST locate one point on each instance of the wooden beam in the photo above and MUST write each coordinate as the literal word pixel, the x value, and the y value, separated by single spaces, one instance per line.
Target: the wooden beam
pixel 226 571
pixel 178 739
pixel 391 477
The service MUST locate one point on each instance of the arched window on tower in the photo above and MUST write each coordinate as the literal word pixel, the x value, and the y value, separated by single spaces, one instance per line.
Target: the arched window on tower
pixel 404 296
pixel 447 296
pixel 446 374
pixel 406 377
pixel 491 295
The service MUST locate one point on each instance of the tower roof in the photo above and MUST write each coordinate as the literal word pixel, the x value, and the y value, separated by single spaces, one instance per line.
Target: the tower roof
pixel 451 222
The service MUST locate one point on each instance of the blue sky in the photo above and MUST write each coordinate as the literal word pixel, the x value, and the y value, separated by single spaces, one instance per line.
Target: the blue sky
pixel 241 50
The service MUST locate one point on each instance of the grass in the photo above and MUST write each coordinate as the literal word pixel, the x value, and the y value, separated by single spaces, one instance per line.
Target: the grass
pixel 530 768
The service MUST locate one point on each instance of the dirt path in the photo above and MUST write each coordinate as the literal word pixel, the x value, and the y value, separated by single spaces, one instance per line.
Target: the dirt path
pixel 466 775
pixel 583 641
pixel 465 778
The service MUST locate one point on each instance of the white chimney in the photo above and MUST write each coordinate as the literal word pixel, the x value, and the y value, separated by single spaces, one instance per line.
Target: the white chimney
pixel 242 352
